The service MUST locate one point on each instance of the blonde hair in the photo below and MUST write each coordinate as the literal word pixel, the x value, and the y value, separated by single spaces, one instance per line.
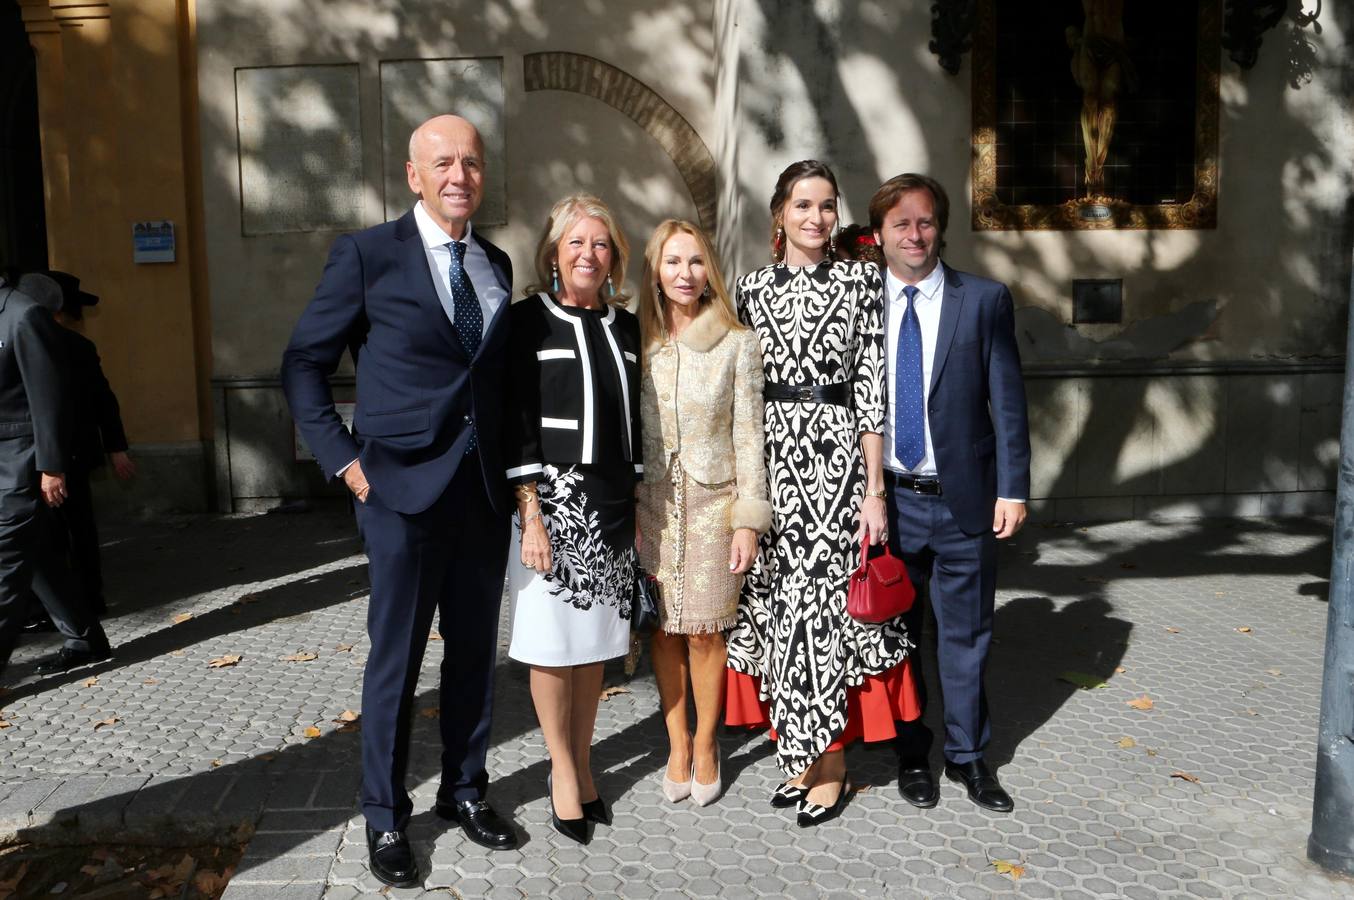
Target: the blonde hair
pixel 565 215
pixel 653 320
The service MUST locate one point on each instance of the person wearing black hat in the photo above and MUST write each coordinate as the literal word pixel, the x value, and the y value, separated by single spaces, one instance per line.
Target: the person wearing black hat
pixel 97 431
pixel 34 441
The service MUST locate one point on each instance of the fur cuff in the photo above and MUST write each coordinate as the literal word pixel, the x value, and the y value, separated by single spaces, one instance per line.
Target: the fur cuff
pixel 754 514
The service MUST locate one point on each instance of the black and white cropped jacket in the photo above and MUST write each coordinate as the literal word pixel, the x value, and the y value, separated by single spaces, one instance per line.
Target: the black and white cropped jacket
pixel 564 363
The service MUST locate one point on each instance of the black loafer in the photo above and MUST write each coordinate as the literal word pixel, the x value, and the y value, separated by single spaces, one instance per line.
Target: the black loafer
pixel 811 814
pixel 66 659
pixel 983 787
pixel 787 795
pixel 480 823
pixel 39 624
pixel 391 860
pixel 916 784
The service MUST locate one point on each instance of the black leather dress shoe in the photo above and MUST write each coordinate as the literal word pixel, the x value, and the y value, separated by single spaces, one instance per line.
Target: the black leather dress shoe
pixel 39 624
pixel 391 859
pixel 916 784
pixel 480 823
pixel 983 787
pixel 66 659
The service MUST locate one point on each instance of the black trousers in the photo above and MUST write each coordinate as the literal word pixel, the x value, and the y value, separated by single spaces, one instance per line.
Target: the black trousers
pixel 77 514
pixel 449 560
pixel 32 559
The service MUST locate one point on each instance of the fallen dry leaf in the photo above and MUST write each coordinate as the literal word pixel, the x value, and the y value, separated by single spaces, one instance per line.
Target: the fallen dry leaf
pixel 311 731
pixel 5 723
pixel 348 715
pixel 224 662
pixel 300 656
pixel 90 682
pixel 435 636
pixel 1003 867
pixel 1245 629
pixel 1127 743
pixel 1151 752
pixel 181 618
pixel 1274 672
pixel 1119 670
pixel 106 723
pixel 1172 630
pixel 609 692
pixel 1143 702
pixel 216 764
pixel 209 883
pixel 151 681
pixel 430 712
pixel 177 652
pixel 1185 776
pixel 343 648
pixel 1251 712
pixel 1082 680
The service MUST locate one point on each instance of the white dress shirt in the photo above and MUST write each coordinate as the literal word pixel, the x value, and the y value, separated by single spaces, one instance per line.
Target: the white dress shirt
pixel 437 247
pixel 930 293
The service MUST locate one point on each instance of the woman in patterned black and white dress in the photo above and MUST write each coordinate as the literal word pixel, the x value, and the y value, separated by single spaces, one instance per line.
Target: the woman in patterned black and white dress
pixel 574 454
pixel 797 661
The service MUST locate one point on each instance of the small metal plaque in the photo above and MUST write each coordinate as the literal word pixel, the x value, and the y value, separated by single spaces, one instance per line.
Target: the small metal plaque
pixel 1097 301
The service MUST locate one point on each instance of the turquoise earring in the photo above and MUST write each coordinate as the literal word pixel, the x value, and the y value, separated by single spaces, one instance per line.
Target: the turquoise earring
pixel 554 278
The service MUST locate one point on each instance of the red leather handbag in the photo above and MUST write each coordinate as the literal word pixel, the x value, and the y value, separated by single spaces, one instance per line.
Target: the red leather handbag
pixel 879 589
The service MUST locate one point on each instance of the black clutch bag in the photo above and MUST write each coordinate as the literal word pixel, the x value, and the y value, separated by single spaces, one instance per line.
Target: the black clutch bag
pixel 644 606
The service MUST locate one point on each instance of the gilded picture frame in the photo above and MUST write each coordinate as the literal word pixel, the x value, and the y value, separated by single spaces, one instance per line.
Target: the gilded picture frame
pixel 1200 211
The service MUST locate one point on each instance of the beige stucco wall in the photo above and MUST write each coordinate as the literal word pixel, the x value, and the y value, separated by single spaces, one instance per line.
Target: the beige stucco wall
pixel 556 142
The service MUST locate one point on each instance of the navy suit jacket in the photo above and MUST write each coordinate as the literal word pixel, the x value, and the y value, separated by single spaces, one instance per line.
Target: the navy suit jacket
pixel 418 390
pixel 976 408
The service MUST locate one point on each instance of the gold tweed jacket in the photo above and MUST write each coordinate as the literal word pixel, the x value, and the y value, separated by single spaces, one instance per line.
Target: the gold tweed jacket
pixel 701 402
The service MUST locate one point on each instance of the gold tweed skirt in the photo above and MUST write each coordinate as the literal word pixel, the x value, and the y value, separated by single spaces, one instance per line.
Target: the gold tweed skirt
pixel 684 543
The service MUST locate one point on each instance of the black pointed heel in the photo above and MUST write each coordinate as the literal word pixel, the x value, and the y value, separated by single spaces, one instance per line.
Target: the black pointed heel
pixel 573 829
pixel 597 811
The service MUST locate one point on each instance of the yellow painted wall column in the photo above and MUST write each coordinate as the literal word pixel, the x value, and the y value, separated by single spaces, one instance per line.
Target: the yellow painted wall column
pixel 114 80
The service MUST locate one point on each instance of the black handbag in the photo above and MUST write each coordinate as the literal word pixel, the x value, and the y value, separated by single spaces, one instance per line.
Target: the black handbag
pixel 644 605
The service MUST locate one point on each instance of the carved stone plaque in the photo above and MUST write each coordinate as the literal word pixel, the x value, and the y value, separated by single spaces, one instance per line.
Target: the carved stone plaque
pixel 300 135
pixel 417 89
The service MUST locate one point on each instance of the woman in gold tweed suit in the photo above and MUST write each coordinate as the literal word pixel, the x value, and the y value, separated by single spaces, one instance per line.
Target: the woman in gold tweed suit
pixel 703 499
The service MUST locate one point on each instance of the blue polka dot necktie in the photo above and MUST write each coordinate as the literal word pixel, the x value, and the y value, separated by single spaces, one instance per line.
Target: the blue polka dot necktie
pixel 466 316
pixel 909 410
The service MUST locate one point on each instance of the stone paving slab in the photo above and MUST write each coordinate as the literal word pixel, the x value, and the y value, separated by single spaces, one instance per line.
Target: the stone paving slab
pixel 1220 623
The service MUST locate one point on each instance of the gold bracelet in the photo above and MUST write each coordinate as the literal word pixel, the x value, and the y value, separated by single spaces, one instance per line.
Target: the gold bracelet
pixel 525 492
pixel 880 494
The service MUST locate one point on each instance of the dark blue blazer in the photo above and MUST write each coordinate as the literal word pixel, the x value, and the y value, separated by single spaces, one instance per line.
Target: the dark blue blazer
pixel 976 408
pixel 418 391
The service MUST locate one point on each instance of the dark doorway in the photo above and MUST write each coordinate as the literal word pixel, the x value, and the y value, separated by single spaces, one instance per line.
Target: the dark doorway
pixel 23 218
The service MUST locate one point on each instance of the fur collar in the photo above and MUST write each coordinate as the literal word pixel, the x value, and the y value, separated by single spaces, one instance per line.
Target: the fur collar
pixel 704 333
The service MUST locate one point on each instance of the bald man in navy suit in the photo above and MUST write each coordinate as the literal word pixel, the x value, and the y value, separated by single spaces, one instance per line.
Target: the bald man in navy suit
pixel 421 304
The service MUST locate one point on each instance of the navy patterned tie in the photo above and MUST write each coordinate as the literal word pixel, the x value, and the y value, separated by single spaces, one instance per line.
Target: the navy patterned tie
pixel 465 306
pixel 466 316
pixel 909 413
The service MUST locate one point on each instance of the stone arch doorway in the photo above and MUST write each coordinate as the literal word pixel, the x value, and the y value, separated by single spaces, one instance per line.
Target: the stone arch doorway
pixel 23 220
pixel 580 74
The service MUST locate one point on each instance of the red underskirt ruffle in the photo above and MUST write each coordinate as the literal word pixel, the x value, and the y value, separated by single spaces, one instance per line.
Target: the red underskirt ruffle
pixel 871 709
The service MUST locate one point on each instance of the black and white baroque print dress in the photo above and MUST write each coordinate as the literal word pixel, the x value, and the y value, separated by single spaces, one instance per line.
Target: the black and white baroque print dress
pixel 816 325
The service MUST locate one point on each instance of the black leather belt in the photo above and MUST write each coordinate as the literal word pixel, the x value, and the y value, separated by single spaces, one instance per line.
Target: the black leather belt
pixel 838 394
pixel 913 483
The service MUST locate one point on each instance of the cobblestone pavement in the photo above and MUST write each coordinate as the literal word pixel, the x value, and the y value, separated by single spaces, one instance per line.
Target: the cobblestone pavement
pixel 1207 793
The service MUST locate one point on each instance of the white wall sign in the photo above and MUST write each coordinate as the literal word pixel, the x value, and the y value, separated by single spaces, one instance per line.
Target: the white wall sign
pixel 153 242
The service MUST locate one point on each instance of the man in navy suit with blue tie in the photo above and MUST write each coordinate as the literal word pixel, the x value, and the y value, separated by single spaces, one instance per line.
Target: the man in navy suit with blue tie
pixel 957 464
pixel 421 304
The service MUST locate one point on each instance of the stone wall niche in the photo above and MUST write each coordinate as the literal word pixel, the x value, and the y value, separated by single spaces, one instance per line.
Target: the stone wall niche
pixel 414 90
pixel 300 135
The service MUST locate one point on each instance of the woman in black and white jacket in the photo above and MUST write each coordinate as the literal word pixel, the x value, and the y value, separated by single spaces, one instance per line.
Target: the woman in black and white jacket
pixel 573 453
